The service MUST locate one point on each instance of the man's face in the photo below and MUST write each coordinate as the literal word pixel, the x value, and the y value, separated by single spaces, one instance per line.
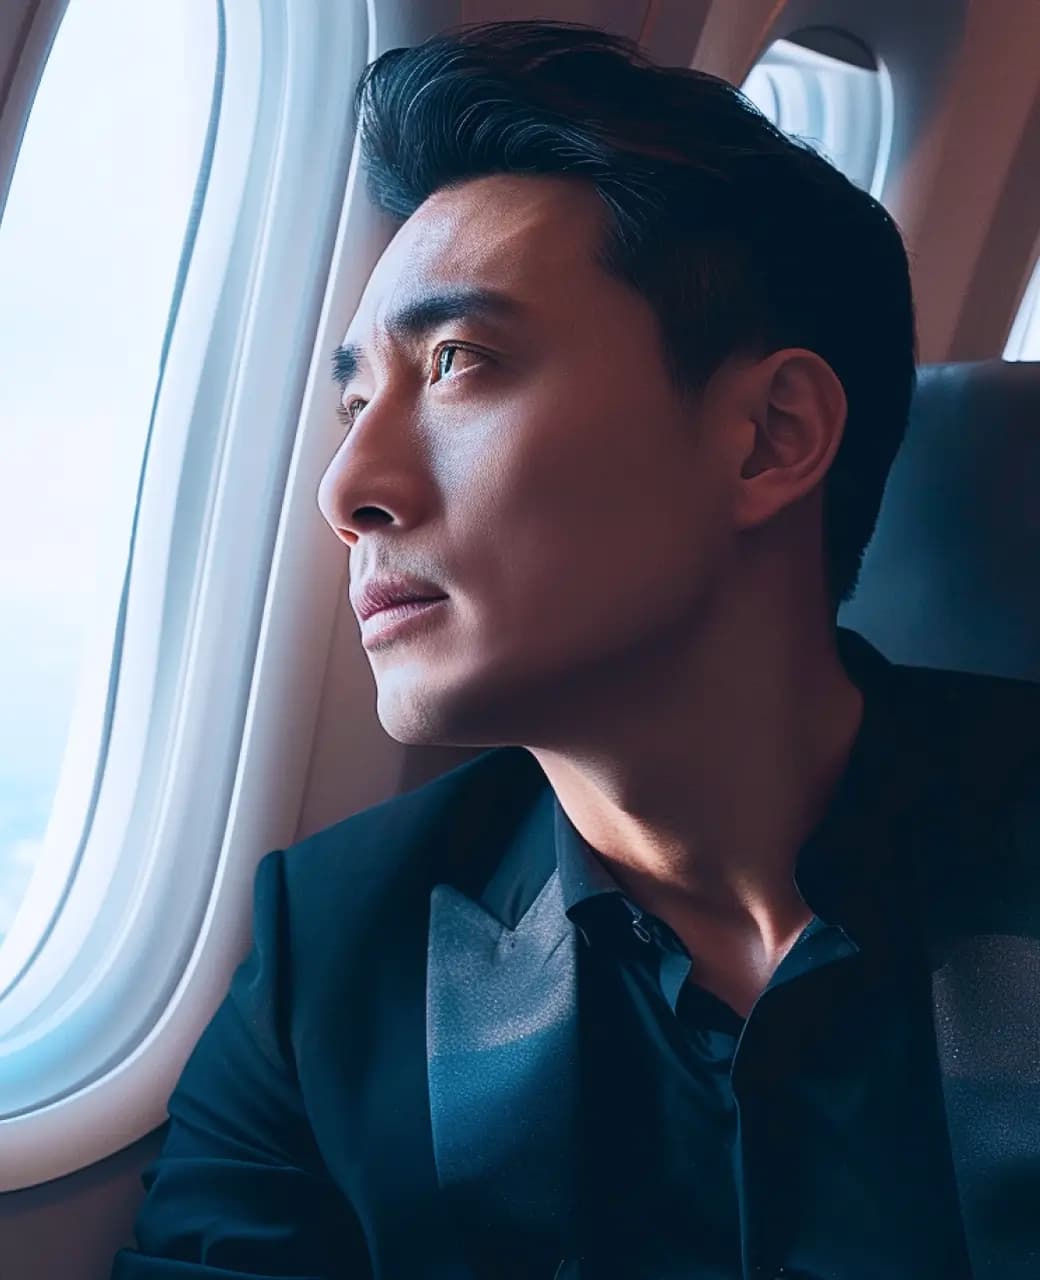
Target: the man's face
pixel 542 472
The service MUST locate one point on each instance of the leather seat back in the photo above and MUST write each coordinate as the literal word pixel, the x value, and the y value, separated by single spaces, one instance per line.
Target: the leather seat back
pixel 951 577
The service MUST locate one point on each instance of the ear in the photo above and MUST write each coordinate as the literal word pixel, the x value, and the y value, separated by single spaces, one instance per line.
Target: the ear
pixel 798 409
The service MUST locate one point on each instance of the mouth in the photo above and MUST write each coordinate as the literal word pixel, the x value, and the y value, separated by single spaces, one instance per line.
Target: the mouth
pixel 403 604
pixel 395 619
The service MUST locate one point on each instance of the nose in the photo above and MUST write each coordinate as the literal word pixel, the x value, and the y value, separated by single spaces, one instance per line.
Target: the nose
pixel 357 495
pixel 348 524
pixel 361 520
pixel 375 478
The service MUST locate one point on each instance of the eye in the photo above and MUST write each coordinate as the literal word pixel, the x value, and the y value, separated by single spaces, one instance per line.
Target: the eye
pixel 347 413
pixel 446 349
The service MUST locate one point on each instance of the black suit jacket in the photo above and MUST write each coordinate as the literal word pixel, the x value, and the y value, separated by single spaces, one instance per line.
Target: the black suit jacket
pixel 389 1087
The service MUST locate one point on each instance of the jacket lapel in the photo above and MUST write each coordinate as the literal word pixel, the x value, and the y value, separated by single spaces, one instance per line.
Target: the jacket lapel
pixel 502 1051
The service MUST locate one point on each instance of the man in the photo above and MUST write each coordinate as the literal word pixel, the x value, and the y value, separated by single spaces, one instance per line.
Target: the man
pixel 651 988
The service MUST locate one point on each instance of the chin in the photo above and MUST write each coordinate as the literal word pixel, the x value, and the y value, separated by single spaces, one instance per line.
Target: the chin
pixel 493 697
pixel 423 722
pixel 425 716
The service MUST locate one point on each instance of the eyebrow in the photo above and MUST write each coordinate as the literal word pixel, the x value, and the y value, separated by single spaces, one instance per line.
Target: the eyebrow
pixel 423 314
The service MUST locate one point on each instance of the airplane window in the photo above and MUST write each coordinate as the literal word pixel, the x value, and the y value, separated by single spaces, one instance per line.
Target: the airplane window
pixel 1024 339
pixel 90 244
pixel 825 87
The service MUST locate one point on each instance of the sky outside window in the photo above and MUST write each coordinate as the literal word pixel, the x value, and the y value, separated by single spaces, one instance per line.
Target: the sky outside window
pixel 89 249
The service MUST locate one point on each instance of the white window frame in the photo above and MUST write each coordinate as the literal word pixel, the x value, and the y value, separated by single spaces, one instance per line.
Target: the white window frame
pixel 845 110
pixel 1023 342
pixel 101 748
pixel 228 609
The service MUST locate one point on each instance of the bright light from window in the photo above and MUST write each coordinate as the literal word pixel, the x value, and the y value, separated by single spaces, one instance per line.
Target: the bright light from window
pixel 1024 339
pixel 89 250
pixel 843 110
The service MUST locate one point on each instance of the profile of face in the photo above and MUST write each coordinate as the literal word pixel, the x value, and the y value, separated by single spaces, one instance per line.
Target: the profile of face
pixel 533 460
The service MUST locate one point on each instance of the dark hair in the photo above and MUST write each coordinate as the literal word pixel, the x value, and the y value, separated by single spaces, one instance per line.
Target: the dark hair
pixel 742 239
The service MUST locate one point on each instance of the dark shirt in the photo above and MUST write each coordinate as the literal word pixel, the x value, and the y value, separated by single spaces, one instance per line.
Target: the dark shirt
pixel 807 1142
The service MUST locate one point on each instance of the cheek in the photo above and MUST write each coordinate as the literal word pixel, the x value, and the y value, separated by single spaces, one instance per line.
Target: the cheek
pixel 569 543
pixel 555 501
pixel 566 507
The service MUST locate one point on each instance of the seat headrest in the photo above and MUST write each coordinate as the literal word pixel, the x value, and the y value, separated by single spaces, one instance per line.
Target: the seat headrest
pixel 951 577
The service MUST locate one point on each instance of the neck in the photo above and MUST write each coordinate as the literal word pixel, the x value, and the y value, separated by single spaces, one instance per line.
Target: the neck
pixel 697 782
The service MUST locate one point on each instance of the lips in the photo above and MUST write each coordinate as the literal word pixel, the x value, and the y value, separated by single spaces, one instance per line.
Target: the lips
pixel 397 604
pixel 383 593
pixel 392 624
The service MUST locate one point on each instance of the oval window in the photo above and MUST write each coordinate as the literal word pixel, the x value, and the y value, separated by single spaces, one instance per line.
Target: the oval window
pixel 826 88
pixel 90 245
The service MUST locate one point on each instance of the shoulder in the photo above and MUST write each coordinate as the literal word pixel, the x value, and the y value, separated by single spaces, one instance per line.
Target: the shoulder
pixel 984 728
pixel 421 834
pixel 971 700
pixel 335 910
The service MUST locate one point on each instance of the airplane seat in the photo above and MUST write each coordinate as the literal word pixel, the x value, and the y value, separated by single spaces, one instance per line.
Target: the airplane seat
pixel 951 577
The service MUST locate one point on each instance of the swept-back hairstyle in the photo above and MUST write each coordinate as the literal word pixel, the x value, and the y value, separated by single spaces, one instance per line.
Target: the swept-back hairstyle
pixel 743 240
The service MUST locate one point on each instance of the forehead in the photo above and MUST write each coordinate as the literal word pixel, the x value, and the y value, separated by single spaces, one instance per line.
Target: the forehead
pixel 531 237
